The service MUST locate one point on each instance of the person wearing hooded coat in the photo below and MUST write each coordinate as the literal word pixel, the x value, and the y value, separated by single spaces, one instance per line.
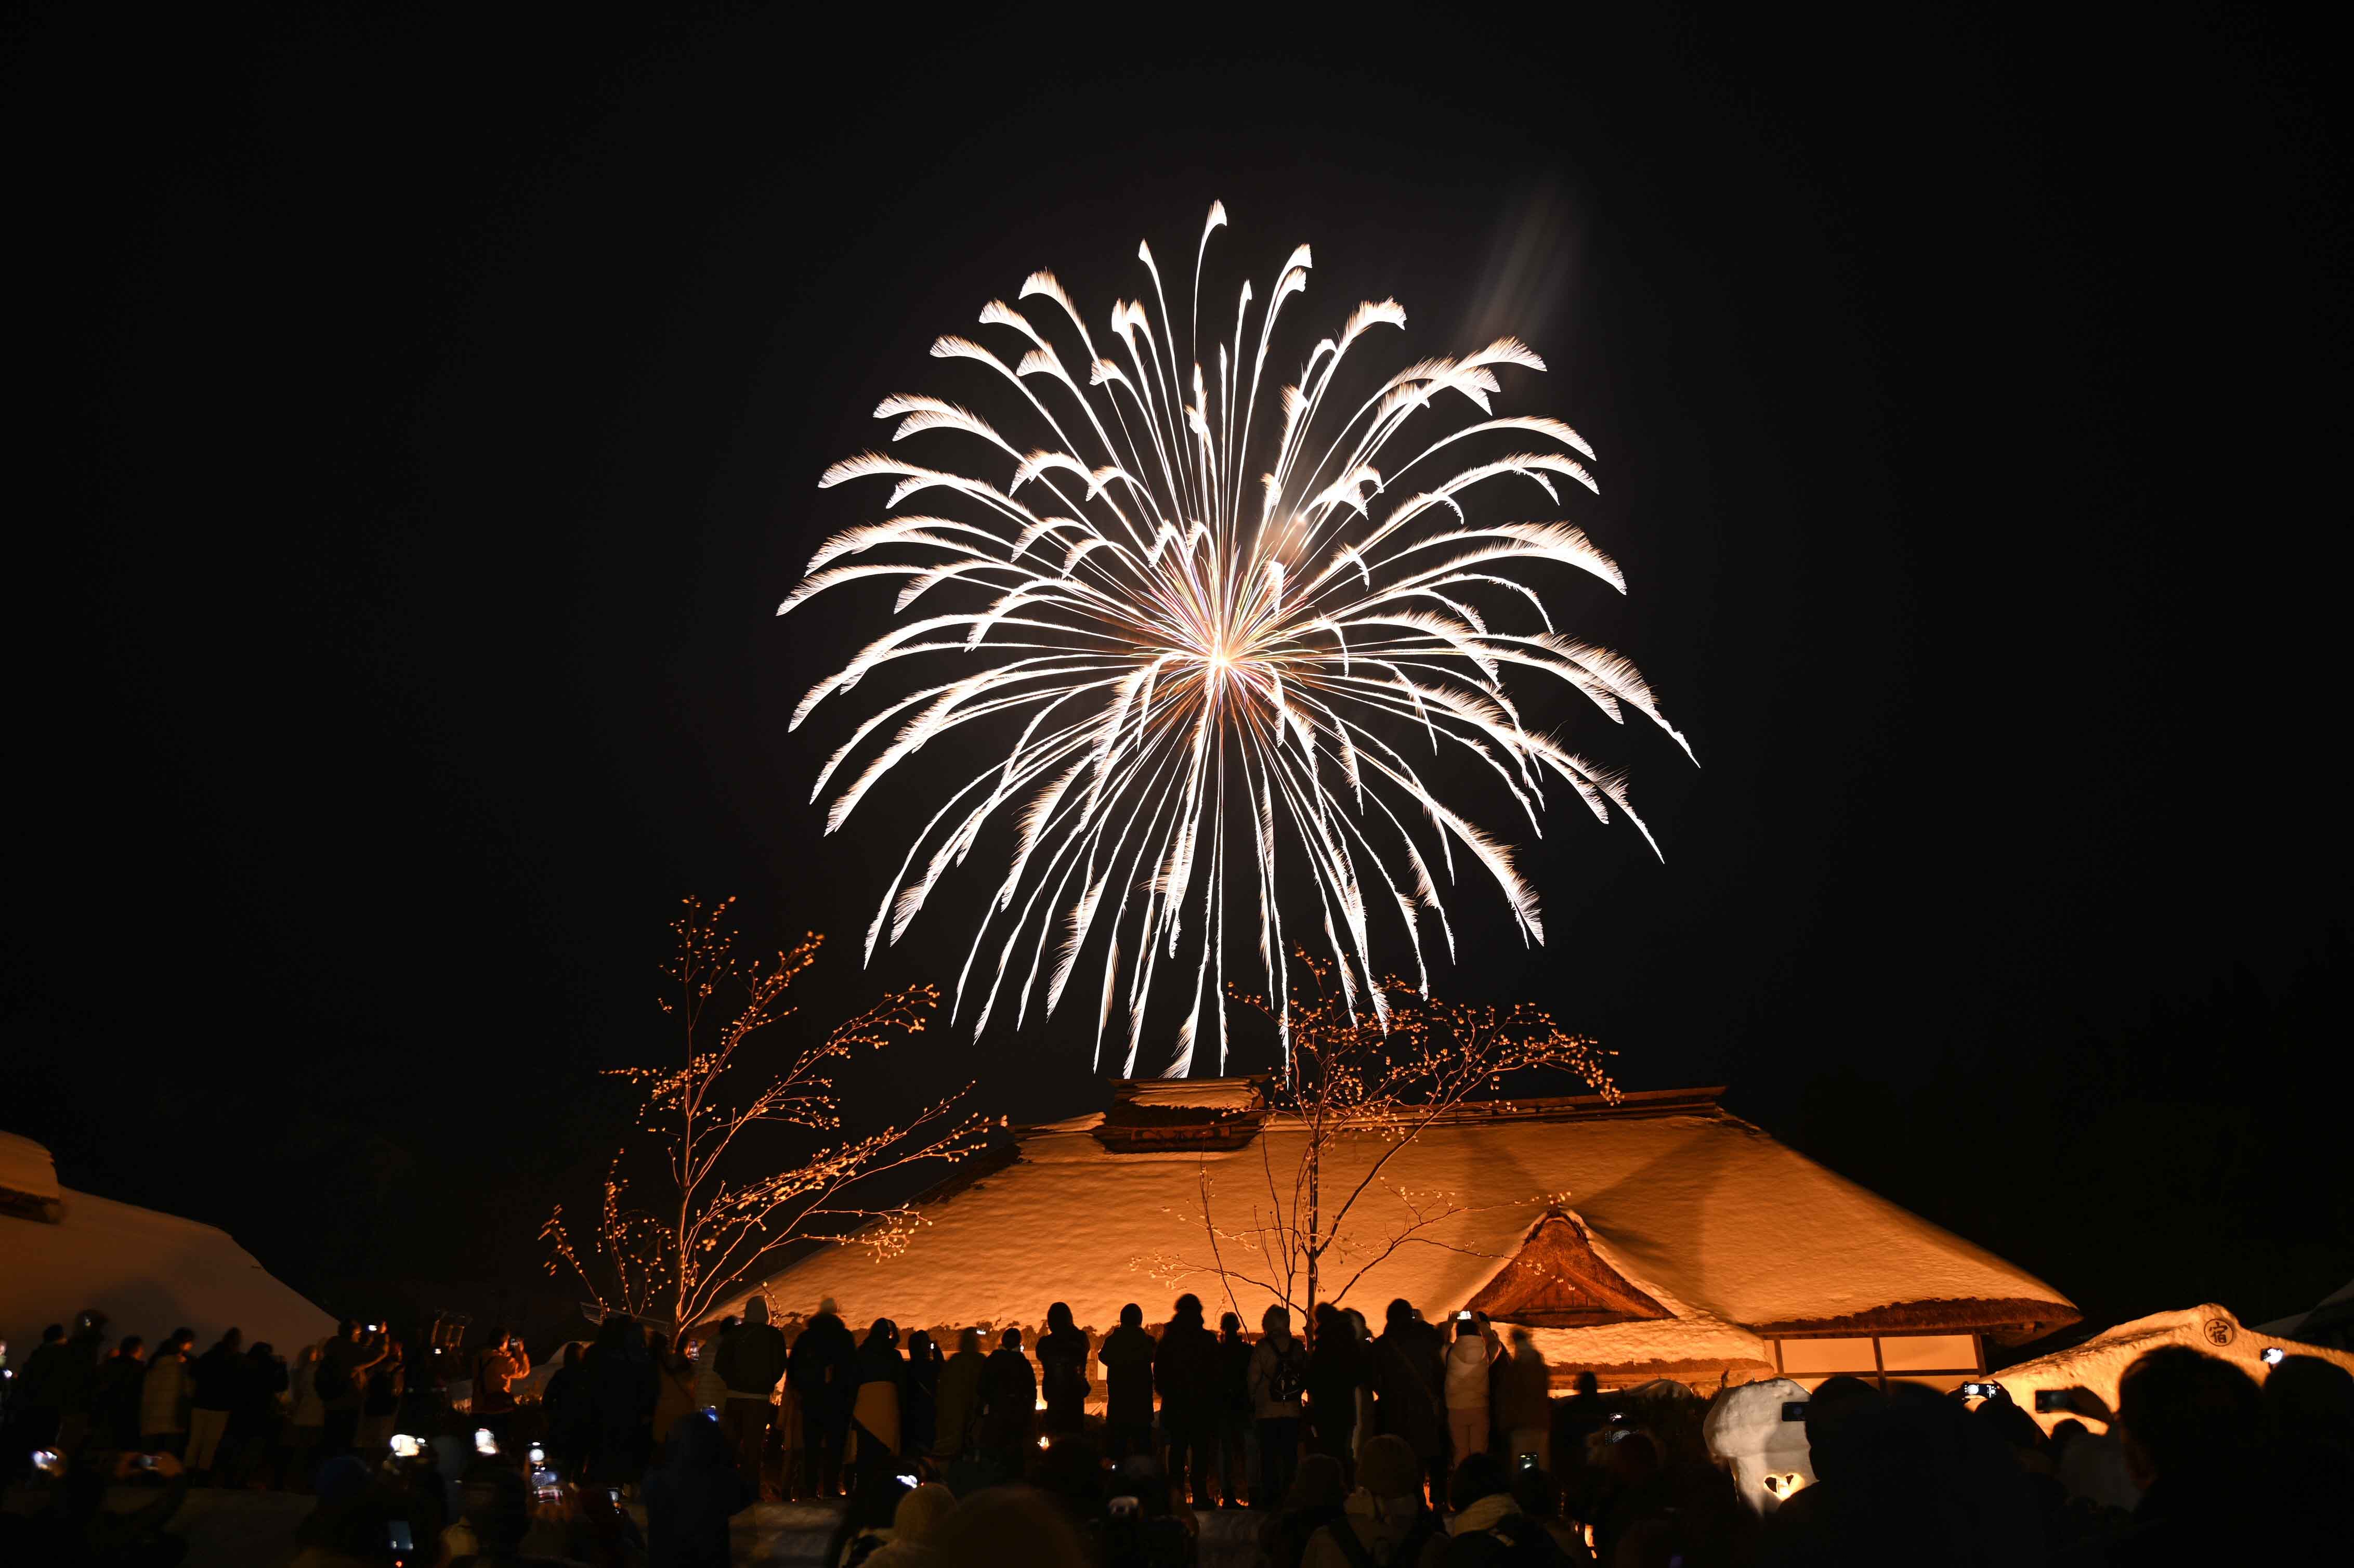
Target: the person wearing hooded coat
pixel 164 1398
pixel 622 1392
pixel 823 1371
pixel 958 1405
pixel 1185 1373
pixel 115 1405
pixel 1126 1357
pixel 1336 1371
pixel 882 1397
pixel 1009 1398
pixel 919 1414
pixel 1062 1372
pixel 691 1496
pixel 751 1362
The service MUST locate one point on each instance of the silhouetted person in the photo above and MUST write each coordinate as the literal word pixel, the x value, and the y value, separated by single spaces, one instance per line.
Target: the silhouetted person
pixel 691 1496
pixel 2192 1427
pixel 1186 1372
pixel 882 1396
pixel 340 1383
pixel 164 1398
pixel 213 1378
pixel 823 1371
pixel 2309 1429
pixel 1311 1502
pixel 570 1419
pixel 115 1403
pixel 38 1402
pixel 1279 1374
pixel 1523 1387
pixel 1006 1525
pixel 960 1398
pixel 920 1417
pixel 621 1394
pixel 1063 1371
pixel 1336 1371
pixel 78 1377
pixel 1410 1378
pixel 1008 1396
pixel 1235 1418
pixel 1126 1357
pixel 1385 1522
pixel 1489 1528
pixel 750 1362
pixel 254 1419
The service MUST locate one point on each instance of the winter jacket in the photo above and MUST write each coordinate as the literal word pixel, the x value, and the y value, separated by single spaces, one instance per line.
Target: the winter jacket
pixel 495 1375
pixel 1525 1392
pixel 1279 1374
pixel 960 1404
pixel 302 1392
pixel 882 1391
pixel 78 1378
pixel 1336 1369
pixel 823 1366
pixel 1410 1373
pixel 1009 1398
pixel 42 1383
pixel 1234 1378
pixel 1495 1531
pixel 751 1360
pixel 214 1377
pixel 1467 1373
pixel 1400 1534
pixel 673 1398
pixel 261 1379
pixel 1126 1357
pixel 1062 1374
pixel 1185 1371
pixel 164 1400
pixel 115 1406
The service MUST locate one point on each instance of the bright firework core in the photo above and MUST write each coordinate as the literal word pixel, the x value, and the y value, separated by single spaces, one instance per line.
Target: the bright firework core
pixel 1225 620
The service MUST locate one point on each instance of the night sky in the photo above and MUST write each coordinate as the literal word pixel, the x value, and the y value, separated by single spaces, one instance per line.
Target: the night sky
pixel 419 421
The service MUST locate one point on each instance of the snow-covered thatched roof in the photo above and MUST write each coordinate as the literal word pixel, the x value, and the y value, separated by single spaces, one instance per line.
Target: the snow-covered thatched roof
pixel 149 1273
pixel 1722 1229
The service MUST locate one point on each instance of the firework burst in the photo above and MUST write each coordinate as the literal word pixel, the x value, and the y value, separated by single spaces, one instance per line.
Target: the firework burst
pixel 1220 678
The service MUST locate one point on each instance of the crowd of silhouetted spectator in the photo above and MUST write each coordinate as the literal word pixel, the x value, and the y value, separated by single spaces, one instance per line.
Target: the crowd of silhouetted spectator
pixel 1422 1444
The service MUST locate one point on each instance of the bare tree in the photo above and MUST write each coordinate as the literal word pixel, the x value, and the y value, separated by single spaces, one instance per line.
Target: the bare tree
pixel 1359 1093
pixel 713 1225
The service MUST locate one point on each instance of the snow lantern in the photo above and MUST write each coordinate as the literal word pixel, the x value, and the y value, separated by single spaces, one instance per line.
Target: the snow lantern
pixel 1746 1433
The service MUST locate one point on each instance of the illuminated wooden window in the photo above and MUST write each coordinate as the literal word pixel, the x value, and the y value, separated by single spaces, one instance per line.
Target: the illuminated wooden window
pixel 1822 1357
pixel 1929 1352
pixel 1942 1362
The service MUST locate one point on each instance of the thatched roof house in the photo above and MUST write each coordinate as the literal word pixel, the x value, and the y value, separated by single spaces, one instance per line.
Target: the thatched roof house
pixel 1660 1237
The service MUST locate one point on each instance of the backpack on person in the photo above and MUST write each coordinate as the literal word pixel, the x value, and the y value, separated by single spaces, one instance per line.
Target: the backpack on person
pixel 1409 1550
pixel 1526 1543
pixel 1289 1378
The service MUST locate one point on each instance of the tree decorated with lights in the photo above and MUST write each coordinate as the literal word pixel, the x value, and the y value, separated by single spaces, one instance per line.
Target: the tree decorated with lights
pixel 1359 1086
pixel 729 1100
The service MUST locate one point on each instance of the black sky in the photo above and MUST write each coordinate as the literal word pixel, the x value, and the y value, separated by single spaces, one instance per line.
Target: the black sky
pixel 419 419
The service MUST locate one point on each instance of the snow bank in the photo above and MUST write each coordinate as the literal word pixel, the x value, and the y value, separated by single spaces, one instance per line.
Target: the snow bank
pixel 2100 1361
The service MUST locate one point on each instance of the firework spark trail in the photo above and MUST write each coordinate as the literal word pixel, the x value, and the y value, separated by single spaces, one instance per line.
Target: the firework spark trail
pixel 1194 658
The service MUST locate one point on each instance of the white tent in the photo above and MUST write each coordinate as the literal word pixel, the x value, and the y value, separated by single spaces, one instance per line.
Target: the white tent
pixel 149 1273
pixel 2101 1360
